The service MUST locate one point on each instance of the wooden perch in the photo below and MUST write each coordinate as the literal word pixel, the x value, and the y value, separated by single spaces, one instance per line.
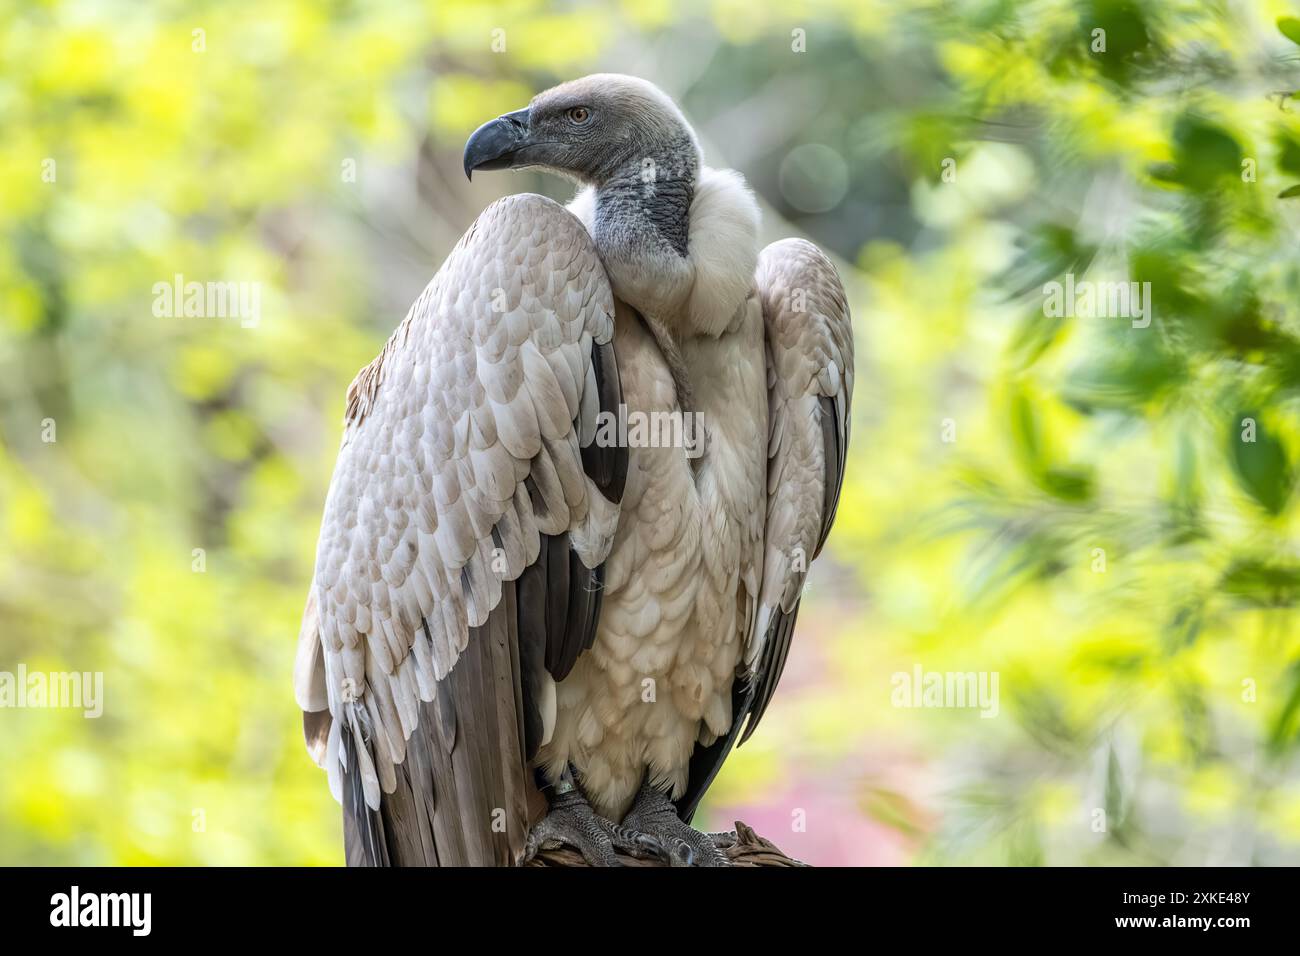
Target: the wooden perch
pixel 748 849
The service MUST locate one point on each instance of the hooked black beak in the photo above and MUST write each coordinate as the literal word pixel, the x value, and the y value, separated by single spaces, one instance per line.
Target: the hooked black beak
pixel 494 144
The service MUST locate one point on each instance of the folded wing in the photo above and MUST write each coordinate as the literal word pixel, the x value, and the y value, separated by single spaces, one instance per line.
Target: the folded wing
pixel 810 386
pixel 459 568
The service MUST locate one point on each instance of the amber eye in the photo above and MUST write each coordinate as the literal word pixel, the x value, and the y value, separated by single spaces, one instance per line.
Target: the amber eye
pixel 579 114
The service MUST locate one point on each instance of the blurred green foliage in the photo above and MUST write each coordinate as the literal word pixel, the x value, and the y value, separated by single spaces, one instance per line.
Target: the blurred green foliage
pixel 1066 501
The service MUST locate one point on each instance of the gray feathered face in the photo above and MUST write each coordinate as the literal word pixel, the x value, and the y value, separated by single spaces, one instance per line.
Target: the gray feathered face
pixel 590 130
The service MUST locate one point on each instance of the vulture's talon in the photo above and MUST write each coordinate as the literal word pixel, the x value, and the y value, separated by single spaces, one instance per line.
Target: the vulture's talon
pixel 682 854
pixel 651 830
pixel 654 814
pixel 572 822
pixel 643 846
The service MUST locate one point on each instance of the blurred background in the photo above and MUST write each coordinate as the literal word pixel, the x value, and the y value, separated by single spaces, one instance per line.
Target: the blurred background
pixel 1074 504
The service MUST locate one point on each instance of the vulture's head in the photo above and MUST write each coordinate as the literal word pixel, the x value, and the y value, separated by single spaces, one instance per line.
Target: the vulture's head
pixel 593 130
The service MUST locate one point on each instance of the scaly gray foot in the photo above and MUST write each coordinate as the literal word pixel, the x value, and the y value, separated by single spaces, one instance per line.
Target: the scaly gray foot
pixel 572 822
pixel 654 815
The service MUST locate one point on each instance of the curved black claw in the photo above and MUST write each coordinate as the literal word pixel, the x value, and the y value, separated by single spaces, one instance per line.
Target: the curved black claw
pixel 643 846
pixel 654 815
pixel 724 838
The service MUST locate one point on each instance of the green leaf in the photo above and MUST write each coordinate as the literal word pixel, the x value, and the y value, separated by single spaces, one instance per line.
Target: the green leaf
pixel 1289 27
pixel 1026 432
pixel 1128 39
pixel 1262 583
pixel 1036 334
pixel 1073 483
pixel 1205 153
pixel 1262 467
pixel 1289 192
pixel 1185 626
pixel 1288 150
pixel 1286 726
pixel 1123 380
pixel 1041 714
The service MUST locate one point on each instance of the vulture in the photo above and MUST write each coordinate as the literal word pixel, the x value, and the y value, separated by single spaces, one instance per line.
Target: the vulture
pixel 577 495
